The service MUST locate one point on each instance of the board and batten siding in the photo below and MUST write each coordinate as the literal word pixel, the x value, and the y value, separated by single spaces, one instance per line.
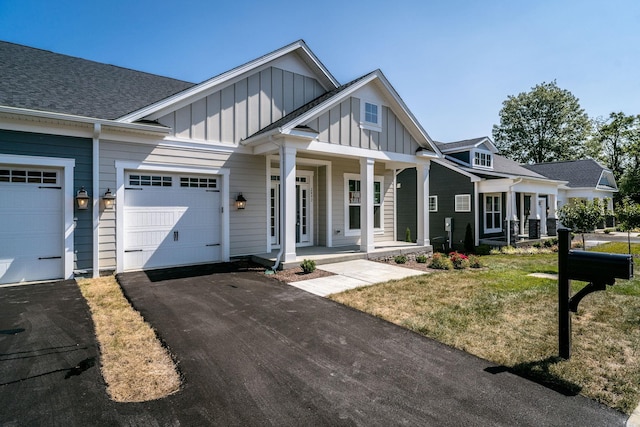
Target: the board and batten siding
pixel 341 125
pixel 247 176
pixel 80 149
pixel 241 109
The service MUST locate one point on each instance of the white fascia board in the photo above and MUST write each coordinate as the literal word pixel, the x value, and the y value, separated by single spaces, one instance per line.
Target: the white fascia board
pixel 70 118
pixel 353 152
pixel 186 96
pixel 339 97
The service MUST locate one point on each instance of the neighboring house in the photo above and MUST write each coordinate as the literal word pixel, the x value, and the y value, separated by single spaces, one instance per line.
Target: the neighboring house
pixel 586 180
pixel 475 185
pixel 315 161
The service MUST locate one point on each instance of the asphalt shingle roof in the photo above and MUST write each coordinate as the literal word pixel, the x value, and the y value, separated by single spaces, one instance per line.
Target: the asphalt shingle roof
pixel 579 173
pixel 467 143
pixel 46 81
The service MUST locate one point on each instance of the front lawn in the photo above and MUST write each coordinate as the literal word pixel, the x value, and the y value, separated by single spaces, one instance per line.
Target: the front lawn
pixel 501 314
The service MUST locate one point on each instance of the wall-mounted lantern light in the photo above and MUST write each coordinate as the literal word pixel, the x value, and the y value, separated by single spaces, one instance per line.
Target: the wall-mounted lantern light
pixel 241 202
pixel 82 199
pixel 109 199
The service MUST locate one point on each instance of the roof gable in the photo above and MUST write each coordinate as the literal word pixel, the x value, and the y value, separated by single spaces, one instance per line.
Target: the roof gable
pixel 324 103
pixel 41 80
pixel 483 142
pixel 296 53
pixel 585 173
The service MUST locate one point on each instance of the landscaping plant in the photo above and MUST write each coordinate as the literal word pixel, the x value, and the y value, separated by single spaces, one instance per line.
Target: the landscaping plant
pixel 459 261
pixel 308 266
pixel 422 259
pixel 400 259
pixel 440 262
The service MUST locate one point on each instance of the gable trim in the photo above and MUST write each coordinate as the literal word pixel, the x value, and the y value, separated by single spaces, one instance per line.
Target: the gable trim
pixel 328 82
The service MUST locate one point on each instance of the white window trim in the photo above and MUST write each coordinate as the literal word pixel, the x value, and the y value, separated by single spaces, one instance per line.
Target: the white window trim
pixel 435 200
pixel 457 202
pixel 356 232
pixel 494 229
pixel 489 155
pixel 377 127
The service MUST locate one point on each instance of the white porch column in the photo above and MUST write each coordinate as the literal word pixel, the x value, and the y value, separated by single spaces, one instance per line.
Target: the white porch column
pixel 514 207
pixel 522 215
pixel 553 206
pixel 366 205
pixel 535 203
pixel 423 203
pixel 288 202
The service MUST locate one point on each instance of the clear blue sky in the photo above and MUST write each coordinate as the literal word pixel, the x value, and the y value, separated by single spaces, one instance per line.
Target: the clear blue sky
pixel 452 61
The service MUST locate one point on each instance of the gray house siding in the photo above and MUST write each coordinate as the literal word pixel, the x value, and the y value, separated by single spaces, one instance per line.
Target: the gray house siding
pixel 243 108
pixel 80 149
pixel 341 125
pixel 464 156
pixel 445 184
pixel 407 204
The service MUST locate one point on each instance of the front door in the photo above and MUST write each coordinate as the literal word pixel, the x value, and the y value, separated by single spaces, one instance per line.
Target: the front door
pixel 304 209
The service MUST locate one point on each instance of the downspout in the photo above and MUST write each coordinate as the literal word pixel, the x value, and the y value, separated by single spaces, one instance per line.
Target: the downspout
pixel 510 209
pixel 97 129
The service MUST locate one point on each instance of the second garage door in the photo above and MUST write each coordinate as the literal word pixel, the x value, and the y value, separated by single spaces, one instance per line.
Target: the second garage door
pixel 171 220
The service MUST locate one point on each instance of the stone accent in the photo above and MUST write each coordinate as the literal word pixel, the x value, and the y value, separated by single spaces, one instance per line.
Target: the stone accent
pixel 552 227
pixel 534 228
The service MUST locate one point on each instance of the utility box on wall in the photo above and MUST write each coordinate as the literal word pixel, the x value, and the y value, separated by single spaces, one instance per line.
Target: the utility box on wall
pixel 448 224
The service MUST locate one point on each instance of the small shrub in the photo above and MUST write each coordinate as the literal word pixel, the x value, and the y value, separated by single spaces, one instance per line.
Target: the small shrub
pixel 422 259
pixel 468 239
pixel 483 250
pixel 609 230
pixel 537 245
pixel 407 235
pixel 549 243
pixel 308 266
pixel 459 261
pixel 475 261
pixel 400 259
pixel 440 262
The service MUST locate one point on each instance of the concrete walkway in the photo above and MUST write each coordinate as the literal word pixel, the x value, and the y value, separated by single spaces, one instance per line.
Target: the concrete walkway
pixel 354 274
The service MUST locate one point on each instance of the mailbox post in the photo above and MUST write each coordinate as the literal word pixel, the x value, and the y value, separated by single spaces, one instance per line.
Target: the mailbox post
pixel 599 269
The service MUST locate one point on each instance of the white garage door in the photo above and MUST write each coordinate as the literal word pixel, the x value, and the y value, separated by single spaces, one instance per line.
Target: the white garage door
pixel 31 225
pixel 170 220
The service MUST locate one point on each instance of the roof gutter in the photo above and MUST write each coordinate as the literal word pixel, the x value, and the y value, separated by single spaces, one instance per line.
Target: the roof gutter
pixel 84 120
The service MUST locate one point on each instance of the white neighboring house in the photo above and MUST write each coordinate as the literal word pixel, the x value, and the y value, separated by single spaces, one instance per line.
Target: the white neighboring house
pixel 315 161
pixel 586 180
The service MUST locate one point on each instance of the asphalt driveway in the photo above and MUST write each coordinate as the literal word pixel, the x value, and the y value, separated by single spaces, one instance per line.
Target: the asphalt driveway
pixel 254 351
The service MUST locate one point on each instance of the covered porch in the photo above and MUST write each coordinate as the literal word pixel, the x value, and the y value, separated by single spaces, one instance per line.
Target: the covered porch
pixel 327 255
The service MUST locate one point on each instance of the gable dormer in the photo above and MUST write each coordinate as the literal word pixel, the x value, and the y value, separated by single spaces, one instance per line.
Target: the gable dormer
pixel 475 153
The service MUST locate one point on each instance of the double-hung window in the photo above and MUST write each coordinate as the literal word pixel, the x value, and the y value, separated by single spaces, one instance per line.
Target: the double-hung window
pixel 354 202
pixel 492 213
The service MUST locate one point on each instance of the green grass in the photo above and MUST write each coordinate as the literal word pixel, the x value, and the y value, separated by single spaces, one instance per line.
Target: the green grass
pixel 501 314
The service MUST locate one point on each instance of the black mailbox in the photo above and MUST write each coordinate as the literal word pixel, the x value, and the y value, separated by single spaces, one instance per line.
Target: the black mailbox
pixel 599 267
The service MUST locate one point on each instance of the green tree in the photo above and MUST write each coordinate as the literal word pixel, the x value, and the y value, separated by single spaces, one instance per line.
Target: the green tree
pixel 582 216
pixel 628 215
pixel 616 139
pixel 545 124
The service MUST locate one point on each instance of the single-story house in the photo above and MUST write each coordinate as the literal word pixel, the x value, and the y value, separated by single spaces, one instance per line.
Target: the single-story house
pixel 474 185
pixel 585 180
pixel 104 168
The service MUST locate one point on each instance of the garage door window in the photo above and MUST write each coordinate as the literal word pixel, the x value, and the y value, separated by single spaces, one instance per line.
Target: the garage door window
pixel 194 182
pixel 28 176
pixel 150 180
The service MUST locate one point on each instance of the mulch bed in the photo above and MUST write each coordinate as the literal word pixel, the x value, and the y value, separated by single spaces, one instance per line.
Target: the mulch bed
pixel 296 274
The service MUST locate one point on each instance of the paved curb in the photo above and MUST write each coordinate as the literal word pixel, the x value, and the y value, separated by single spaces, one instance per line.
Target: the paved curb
pixel 634 419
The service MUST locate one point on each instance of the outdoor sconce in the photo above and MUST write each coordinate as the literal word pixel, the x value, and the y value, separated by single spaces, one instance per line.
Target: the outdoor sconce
pixel 82 199
pixel 241 202
pixel 109 199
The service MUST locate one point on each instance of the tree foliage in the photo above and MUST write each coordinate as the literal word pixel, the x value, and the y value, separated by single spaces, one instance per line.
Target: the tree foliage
pixel 545 124
pixel 581 216
pixel 628 215
pixel 616 141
